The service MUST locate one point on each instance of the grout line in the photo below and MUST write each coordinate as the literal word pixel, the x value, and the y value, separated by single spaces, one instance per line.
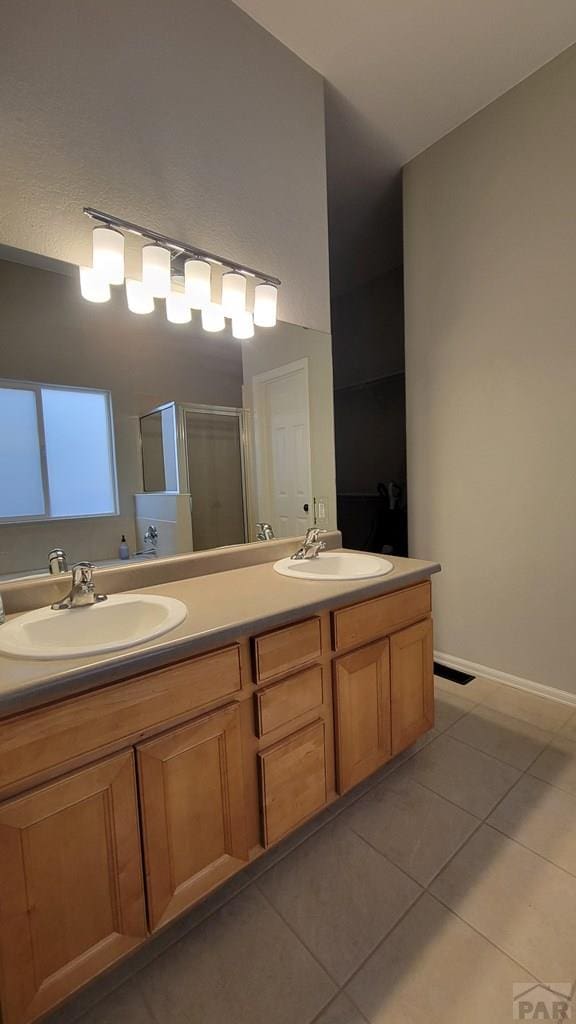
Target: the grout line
pixel 339 995
pixel 535 853
pixel 293 931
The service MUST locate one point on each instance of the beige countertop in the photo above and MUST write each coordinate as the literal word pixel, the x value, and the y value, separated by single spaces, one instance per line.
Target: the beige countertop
pixel 221 607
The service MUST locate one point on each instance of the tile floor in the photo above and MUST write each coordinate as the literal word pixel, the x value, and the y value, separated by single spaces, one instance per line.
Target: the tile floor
pixel 422 897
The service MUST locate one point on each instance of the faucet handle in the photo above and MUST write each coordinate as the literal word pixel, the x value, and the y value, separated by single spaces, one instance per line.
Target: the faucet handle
pixel 57 562
pixel 82 574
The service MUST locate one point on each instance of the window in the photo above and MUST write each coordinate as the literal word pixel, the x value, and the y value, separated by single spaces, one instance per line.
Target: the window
pixel 56 452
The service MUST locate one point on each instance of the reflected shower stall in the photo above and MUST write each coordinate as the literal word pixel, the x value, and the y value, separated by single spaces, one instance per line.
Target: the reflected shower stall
pixel 199 453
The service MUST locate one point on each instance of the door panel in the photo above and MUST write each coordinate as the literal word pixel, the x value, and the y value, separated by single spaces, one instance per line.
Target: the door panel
pixel 71 887
pixel 362 704
pixel 193 808
pixel 412 686
pixel 292 780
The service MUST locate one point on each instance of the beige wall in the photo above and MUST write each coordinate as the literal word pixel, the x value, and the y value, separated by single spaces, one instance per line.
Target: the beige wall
pixel 287 344
pixel 186 117
pixel 490 235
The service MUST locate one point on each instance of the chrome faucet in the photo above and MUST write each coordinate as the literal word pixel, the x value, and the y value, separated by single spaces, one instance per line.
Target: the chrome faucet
pixel 83 591
pixel 312 545
pixel 57 562
pixel 151 540
pixel 265 531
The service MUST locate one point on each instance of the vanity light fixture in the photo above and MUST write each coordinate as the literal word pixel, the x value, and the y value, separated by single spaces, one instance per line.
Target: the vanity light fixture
pixel 138 298
pixel 198 283
pixel 156 262
pixel 161 256
pixel 92 286
pixel 233 293
pixel 265 305
pixel 213 318
pixel 108 254
pixel 177 308
pixel 243 325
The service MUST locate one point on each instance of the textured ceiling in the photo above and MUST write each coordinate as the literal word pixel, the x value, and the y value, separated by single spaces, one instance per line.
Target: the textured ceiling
pixel 400 76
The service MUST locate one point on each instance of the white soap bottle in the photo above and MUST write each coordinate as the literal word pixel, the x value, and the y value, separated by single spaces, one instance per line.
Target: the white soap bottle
pixel 123 550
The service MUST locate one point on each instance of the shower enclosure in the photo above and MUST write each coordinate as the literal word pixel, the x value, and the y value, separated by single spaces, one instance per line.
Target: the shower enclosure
pixel 200 451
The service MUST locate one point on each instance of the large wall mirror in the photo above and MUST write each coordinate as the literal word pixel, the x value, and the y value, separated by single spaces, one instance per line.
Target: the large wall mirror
pixel 117 425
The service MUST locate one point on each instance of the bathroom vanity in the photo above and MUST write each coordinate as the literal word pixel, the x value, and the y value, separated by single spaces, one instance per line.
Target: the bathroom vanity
pixel 133 785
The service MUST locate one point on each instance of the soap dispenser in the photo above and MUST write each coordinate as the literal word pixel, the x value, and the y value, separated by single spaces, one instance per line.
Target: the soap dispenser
pixel 123 550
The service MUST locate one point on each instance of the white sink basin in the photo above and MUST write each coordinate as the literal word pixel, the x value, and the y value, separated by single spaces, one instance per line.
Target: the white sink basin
pixel 334 565
pixel 124 620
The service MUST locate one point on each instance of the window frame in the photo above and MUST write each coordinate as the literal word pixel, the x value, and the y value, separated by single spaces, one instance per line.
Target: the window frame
pixel 37 388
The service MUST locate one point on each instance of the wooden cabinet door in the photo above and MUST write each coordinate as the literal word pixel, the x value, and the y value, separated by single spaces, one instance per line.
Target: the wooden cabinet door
pixel 192 800
pixel 71 891
pixel 362 705
pixel 292 780
pixel 412 684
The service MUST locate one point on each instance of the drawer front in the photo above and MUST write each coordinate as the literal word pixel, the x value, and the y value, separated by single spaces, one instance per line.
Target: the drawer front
pixel 293 781
pixel 282 702
pixel 277 653
pixel 371 620
pixel 40 740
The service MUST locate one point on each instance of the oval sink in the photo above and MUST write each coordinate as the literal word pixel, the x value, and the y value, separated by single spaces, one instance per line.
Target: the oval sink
pixel 124 620
pixel 334 565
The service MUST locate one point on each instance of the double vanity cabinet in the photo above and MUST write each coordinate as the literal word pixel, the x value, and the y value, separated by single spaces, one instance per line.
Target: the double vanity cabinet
pixel 123 806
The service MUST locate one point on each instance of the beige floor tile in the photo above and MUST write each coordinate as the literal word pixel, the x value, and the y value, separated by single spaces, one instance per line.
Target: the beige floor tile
pixel 557 764
pixel 341 1011
pixel 522 903
pixel 242 965
pixel 509 739
pixel 448 708
pixel 542 818
pixel 569 729
pixel 415 828
pixel 435 969
pixel 125 1006
pixel 541 711
pixel 340 896
pixel 466 776
pixel 474 692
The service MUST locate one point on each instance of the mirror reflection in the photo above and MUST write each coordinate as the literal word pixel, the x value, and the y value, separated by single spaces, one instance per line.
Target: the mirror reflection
pixel 126 436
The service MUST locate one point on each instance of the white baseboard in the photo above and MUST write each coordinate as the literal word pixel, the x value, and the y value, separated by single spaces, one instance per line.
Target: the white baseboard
pixel 561 696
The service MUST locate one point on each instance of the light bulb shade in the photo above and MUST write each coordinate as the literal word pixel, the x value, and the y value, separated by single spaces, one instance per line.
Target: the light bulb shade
pixel 243 325
pixel 92 286
pixel 156 270
pixel 108 254
pixel 138 297
pixel 177 308
pixel 197 283
pixel 265 305
pixel 213 317
pixel 233 294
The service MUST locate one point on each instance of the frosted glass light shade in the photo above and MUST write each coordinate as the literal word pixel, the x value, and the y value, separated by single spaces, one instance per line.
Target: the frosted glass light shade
pixel 108 254
pixel 138 297
pixel 213 317
pixel 243 325
pixel 177 308
pixel 233 294
pixel 265 305
pixel 92 286
pixel 156 270
pixel 197 283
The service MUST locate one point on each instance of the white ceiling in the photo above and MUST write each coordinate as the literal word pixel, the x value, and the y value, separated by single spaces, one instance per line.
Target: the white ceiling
pixel 401 74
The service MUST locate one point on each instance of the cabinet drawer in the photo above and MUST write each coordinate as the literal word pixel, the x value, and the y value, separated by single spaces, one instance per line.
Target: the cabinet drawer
pixel 293 781
pixel 282 702
pixel 371 620
pixel 40 740
pixel 279 652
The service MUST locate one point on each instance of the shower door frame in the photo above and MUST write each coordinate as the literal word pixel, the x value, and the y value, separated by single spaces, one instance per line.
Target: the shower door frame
pixel 181 408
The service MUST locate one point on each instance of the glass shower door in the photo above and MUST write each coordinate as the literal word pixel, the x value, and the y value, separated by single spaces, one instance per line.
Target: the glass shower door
pixel 214 456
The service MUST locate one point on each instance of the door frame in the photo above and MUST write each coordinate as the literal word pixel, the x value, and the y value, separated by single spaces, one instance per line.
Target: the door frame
pixel 263 483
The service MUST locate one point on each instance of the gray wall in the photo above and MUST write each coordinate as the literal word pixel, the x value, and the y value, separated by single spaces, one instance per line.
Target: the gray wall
pixel 184 116
pixel 490 234
pixel 49 334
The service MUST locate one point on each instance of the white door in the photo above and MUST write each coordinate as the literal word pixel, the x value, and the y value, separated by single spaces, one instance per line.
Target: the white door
pixel 282 437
